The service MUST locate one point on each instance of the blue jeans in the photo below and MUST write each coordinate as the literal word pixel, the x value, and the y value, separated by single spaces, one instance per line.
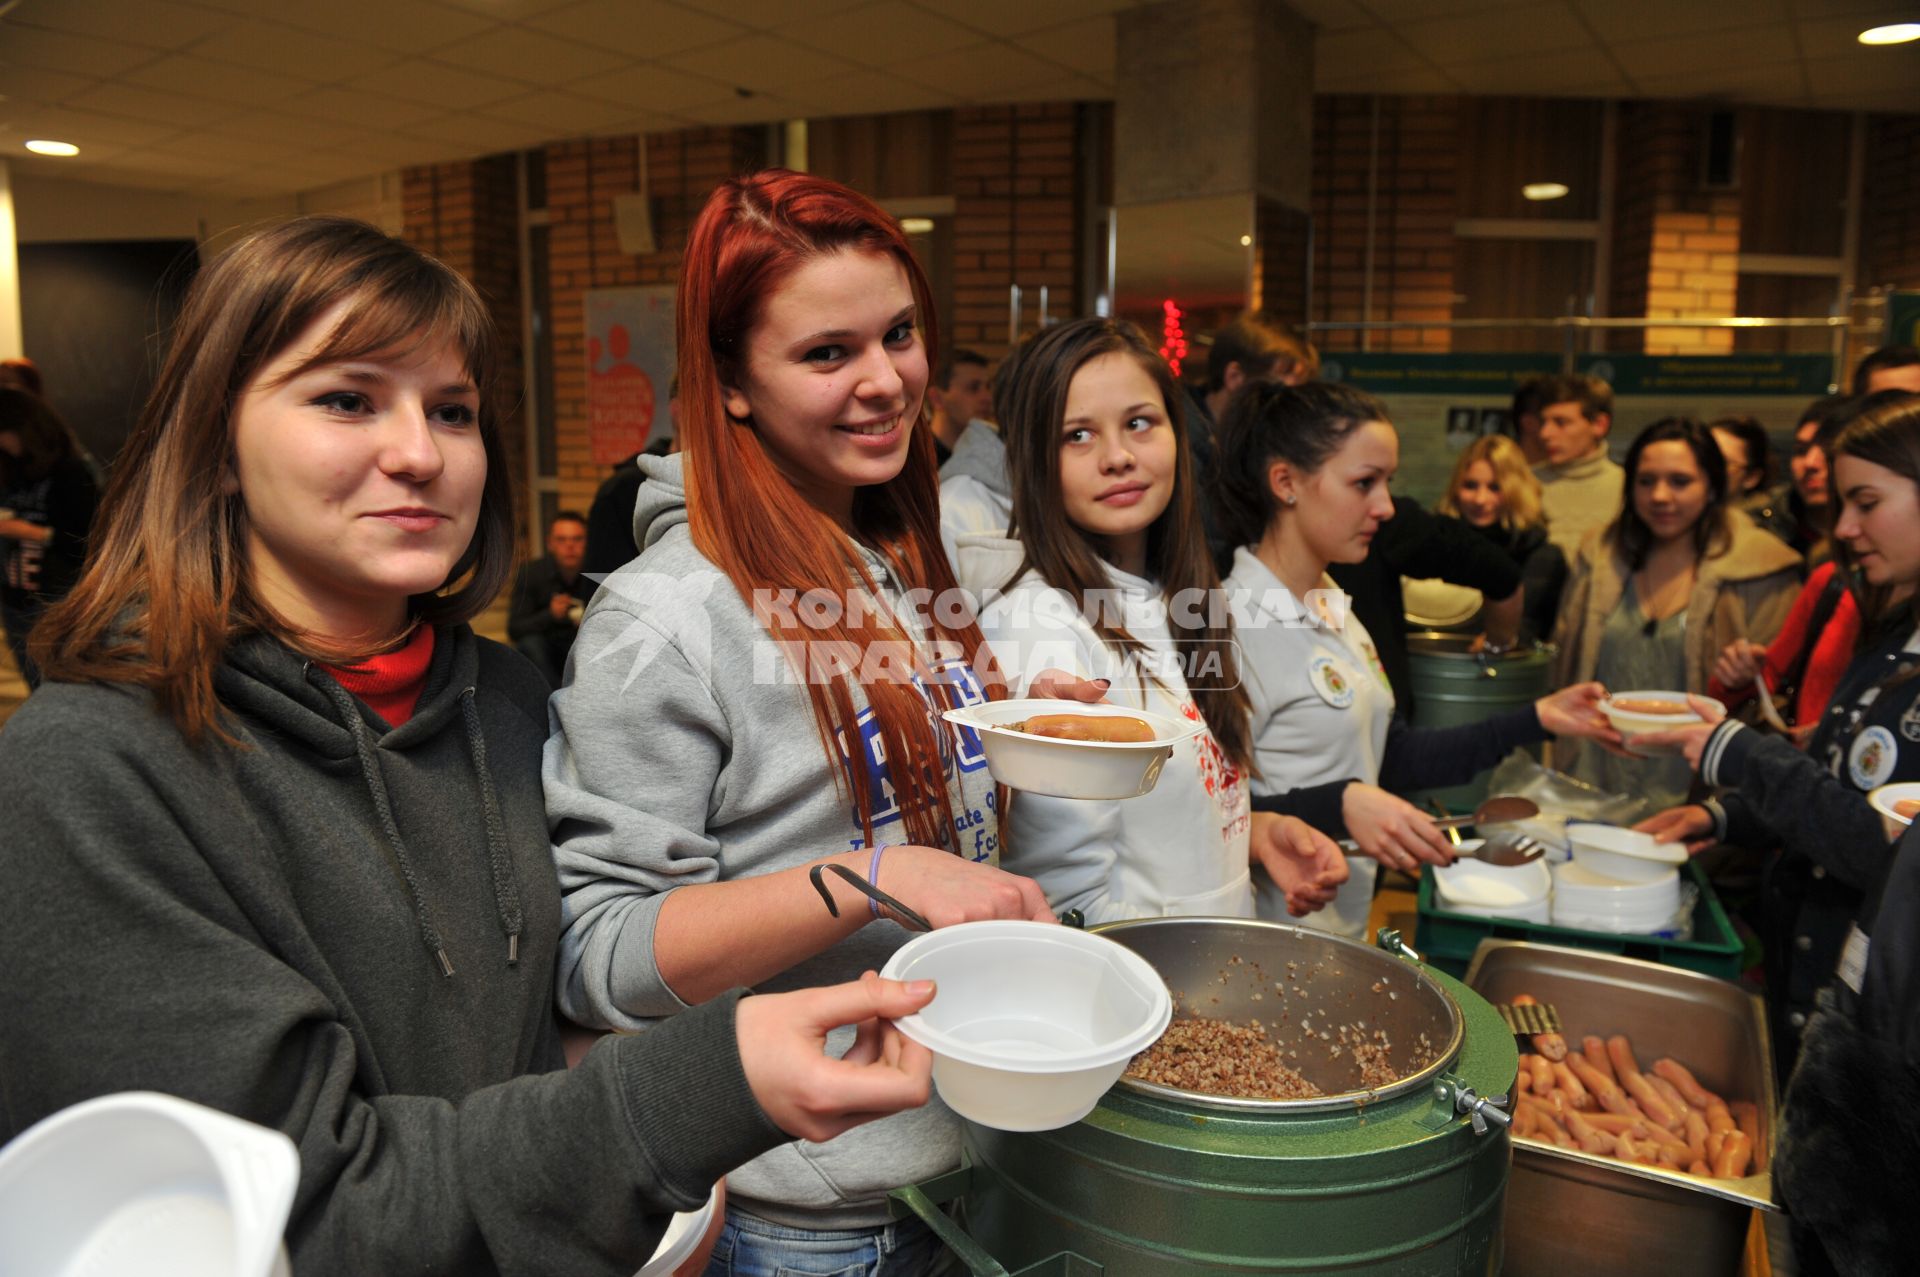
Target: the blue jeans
pixel 752 1247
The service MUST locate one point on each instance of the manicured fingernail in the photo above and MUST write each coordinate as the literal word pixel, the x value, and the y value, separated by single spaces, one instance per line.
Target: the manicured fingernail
pixel 1104 682
pixel 919 988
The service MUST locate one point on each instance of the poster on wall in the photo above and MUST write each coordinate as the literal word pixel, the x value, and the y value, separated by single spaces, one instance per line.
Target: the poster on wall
pixel 630 362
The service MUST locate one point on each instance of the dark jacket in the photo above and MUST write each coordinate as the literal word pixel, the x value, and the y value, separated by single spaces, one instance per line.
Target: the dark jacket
pixel 1844 1163
pixel 266 930
pixel 1419 543
pixel 1834 850
pixel 33 574
pixel 1543 571
pixel 534 585
pixel 1780 510
pixel 610 521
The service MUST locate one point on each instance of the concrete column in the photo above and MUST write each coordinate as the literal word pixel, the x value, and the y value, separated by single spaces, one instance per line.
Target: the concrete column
pixel 1213 151
pixel 11 343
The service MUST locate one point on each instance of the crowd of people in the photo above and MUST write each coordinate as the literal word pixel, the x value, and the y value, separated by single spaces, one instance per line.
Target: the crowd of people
pixel 325 859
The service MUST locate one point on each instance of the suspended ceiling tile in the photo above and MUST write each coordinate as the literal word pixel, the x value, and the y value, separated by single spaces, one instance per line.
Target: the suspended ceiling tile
pixel 758 62
pixel 1473 37
pixel 1067 88
pixel 509 10
pixel 866 92
pixel 532 56
pixel 1086 46
pixel 272 47
pixel 29 84
pixel 1780 83
pixel 1829 76
pixel 652 88
pixel 204 145
pixel 763 14
pixel 361 108
pixel 642 123
pixel 38 48
pixel 221 81
pixel 1624 20
pixel 1017 17
pixel 1410 80
pixel 87 128
pixel 149 104
pixel 1569 73
pixel 761 108
pixel 1839 37
pixel 401 26
pixel 1394 12
pixel 984 72
pixel 486 134
pixel 1679 55
pixel 291 131
pixel 568 115
pixel 1354 55
pixel 876 35
pixel 1883 10
pixel 639 28
pixel 154 24
pixel 437 85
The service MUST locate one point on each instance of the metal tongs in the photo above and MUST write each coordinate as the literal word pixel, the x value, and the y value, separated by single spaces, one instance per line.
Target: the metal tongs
pixel 902 914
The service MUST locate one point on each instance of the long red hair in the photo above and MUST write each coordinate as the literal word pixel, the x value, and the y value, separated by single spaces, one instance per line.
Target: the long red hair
pixel 753 525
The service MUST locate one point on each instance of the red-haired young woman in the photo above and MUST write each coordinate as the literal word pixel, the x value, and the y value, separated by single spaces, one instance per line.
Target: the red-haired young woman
pixel 760 691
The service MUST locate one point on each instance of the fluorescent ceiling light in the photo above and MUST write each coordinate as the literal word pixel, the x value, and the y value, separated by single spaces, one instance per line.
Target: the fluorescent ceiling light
pixel 40 146
pixel 1544 190
pixel 1898 33
pixel 917 225
pixel 1246 241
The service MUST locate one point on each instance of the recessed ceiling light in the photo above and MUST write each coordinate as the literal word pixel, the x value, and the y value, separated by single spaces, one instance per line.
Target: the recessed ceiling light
pixel 1898 33
pixel 1246 241
pixel 41 147
pixel 917 225
pixel 1544 190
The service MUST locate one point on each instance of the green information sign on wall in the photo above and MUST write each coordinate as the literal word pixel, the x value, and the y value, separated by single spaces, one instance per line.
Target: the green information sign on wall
pixel 1807 375
pixel 1475 375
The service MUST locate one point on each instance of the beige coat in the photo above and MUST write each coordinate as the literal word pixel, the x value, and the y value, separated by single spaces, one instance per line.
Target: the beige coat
pixel 1745 591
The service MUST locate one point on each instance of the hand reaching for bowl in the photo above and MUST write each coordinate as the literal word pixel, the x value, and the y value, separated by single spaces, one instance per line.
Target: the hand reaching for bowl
pixel 1392 830
pixel 1690 825
pixel 1575 711
pixel 1303 862
pixel 1691 739
pixel 782 1038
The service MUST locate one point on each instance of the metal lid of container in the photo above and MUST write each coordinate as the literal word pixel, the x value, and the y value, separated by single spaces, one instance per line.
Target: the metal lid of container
pixel 1460 647
pixel 1305 987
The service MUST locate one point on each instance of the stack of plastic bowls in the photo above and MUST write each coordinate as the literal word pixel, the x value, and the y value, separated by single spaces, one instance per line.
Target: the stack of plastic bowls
pixel 1590 901
pixel 1494 891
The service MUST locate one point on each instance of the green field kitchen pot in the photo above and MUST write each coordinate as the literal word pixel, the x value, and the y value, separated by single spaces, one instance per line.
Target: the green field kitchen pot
pixel 1453 685
pixel 1404 1178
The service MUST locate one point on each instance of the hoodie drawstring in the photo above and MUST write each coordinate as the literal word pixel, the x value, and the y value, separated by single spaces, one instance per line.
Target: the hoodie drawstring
pixel 505 890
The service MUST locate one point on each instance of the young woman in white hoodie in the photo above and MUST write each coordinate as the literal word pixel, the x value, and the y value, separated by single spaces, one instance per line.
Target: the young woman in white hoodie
pixel 1304 474
pixel 1105 573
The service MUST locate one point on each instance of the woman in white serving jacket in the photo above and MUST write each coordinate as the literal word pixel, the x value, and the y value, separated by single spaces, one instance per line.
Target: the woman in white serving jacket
pixel 1304 475
pixel 1105 574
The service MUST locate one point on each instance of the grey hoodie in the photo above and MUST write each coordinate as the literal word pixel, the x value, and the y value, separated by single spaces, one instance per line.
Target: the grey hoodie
pixel 684 751
pixel 976 495
pixel 266 929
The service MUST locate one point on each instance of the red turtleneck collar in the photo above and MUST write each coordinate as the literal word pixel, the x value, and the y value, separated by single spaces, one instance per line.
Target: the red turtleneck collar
pixel 391 684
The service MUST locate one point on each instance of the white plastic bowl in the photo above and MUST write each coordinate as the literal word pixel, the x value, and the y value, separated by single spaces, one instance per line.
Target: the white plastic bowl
pixel 1625 854
pixel 1032 1022
pixel 1068 768
pixel 1883 800
pixel 1595 902
pixel 682 1238
pixel 145 1185
pixel 1494 891
pixel 1630 723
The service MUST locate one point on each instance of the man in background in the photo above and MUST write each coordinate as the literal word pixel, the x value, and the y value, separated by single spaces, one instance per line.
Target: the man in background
pixel 549 594
pixel 960 397
pixel 1581 485
pixel 1888 368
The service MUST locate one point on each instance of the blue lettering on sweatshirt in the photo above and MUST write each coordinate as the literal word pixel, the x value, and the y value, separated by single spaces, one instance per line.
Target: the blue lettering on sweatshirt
pixel 960 753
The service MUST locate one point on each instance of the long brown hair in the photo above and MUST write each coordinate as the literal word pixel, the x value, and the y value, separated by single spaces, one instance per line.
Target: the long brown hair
pixel 1712 532
pixel 1069 560
pixel 750 521
pixel 1886 433
pixel 167 585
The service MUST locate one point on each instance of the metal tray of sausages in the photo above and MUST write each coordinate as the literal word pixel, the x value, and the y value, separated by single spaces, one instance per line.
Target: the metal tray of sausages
pixel 1571 1213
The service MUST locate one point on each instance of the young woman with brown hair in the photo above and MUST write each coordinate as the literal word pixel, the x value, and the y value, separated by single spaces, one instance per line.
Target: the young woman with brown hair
pixel 276 841
pixel 758 695
pixel 1106 572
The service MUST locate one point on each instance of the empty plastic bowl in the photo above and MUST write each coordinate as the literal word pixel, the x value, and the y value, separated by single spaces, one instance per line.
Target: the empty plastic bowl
pixel 145 1184
pixel 1592 901
pixel 682 1239
pixel 1032 1022
pixel 1494 891
pixel 1072 768
pixel 1625 854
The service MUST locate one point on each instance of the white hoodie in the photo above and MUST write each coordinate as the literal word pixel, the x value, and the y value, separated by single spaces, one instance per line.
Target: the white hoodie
pixel 1180 850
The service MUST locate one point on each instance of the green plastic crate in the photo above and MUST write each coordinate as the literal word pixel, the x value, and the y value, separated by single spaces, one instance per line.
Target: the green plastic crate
pixel 1447 939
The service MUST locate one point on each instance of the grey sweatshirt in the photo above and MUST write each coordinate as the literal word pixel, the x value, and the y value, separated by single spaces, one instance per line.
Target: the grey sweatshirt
pixel 261 929
pixel 684 751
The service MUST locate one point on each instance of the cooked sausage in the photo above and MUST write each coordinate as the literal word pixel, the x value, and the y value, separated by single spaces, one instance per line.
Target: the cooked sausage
pixel 1734 1156
pixel 1591 1137
pixel 1576 1094
pixel 1699 1167
pixel 1605 1092
pixel 1747 1116
pixel 1670 1093
pixel 1615 1123
pixel 1683 1081
pixel 1621 1052
pixel 1088 727
pixel 1595 1049
pixel 1697 1132
pixel 1650 1102
pixel 1719 1119
pixel 1542 1074
pixel 1551 1045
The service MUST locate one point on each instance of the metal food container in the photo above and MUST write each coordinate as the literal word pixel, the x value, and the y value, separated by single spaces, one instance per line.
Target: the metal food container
pixel 1404 1178
pixel 1571 1213
pixel 1452 684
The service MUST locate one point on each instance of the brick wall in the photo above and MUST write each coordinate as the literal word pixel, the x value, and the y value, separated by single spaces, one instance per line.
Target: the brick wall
pixel 467 214
pixel 1414 210
pixel 1676 246
pixel 1016 218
